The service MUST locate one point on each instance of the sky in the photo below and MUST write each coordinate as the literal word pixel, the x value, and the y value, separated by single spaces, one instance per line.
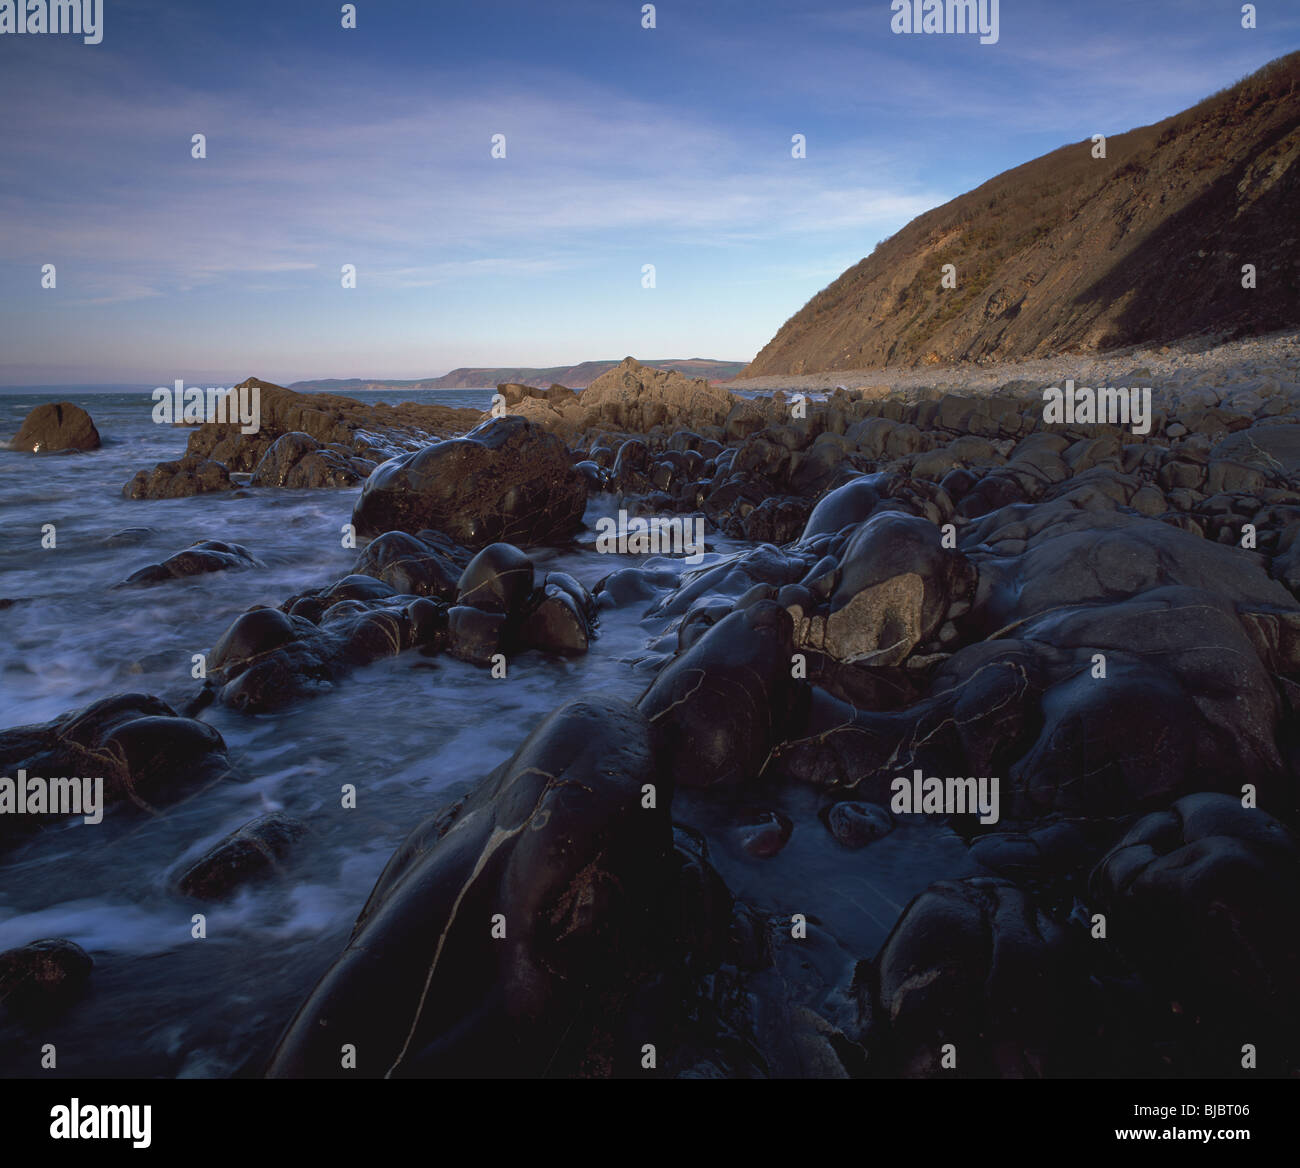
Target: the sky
pixel 625 146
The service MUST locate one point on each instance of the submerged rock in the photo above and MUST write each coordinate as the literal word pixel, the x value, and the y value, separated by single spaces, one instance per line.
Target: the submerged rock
pixel 208 555
pixel 256 850
pixel 43 978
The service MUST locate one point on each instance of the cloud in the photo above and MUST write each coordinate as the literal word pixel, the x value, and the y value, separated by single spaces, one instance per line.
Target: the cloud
pixel 406 188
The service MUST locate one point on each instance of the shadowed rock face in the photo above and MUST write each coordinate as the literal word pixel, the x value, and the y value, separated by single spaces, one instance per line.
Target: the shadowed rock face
pixel 1204 895
pixel 974 963
pixel 1186 705
pixel 719 706
pixel 507 480
pixel 57 426
pixel 558 843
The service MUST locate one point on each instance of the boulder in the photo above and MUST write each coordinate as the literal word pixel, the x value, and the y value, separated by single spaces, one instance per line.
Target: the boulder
pixel 208 555
pixel 720 705
pixel 506 480
pixel 43 978
pixel 256 850
pixel 56 426
pixel 179 479
pixel 506 934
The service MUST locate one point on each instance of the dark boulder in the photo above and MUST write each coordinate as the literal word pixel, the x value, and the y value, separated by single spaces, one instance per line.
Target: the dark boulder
pixel 427 564
pixel 256 850
pixel 1203 897
pixel 56 426
pixel 719 706
pixel 180 479
pixel 146 755
pixel 208 555
pixel 506 480
pixel 975 966
pixel 41 979
pixel 505 935
pixel 498 579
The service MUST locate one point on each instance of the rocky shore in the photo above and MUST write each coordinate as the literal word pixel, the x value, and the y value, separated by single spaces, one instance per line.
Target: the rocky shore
pixel 930 583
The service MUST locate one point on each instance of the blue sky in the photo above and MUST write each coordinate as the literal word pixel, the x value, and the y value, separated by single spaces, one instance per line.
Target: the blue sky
pixel 624 147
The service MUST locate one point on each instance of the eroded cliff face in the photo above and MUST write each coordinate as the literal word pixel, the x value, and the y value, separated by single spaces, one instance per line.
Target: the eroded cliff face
pixel 1073 252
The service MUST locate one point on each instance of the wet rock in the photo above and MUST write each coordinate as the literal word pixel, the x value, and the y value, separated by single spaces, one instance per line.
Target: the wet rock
pixel 975 964
pixel 127 537
pixel 776 520
pixel 557 855
pixel 208 555
pixel 427 564
pixel 298 460
pixel 498 579
pixel 474 635
pixel 56 426
pixel 268 659
pixel 1047 858
pixel 894 584
pixel 146 755
pixel 862 496
pixel 348 434
pixel 1064 556
pixel 253 852
pixel 626 586
pixel 1202 895
pixel 42 979
pixel 507 480
pixel 562 620
pixel 179 479
pixel 719 706
pixel 762 833
pixel 733 577
pixel 857 824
